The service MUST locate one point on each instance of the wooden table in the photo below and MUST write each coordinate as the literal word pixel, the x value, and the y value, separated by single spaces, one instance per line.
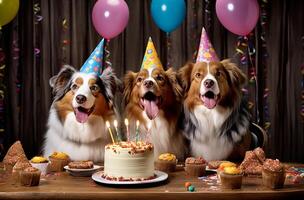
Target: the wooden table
pixel 65 186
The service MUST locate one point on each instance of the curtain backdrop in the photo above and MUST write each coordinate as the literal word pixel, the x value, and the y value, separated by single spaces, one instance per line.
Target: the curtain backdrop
pixel 49 33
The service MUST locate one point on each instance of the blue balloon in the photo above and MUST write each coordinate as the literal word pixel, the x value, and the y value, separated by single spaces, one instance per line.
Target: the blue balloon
pixel 168 14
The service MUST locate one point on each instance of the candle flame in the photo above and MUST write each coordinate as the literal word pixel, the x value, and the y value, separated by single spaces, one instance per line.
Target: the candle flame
pixel 115 123
pixel 108 124
pixel 126 122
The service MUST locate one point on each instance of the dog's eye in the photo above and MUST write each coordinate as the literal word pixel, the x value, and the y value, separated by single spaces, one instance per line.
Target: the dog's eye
pixel 218 73
pixel 159 78
pixel 139 79
pixel 94 88
pixel 198 75
pixel 74 87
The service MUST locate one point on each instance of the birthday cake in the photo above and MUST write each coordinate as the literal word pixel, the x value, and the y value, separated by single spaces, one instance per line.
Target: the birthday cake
pixel 129 161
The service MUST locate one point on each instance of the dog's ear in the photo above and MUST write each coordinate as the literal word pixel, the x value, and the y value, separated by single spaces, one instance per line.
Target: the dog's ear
pixel 128 85
pixel 111 83
pixel 184 76
pixel 172 77
pixel 238 78
pixel 59 81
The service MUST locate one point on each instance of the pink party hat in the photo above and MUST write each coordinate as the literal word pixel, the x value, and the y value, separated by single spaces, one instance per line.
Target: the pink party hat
pixel 206 52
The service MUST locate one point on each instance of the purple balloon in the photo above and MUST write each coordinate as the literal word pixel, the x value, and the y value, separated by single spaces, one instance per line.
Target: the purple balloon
pixel 238 16
pixel 110 17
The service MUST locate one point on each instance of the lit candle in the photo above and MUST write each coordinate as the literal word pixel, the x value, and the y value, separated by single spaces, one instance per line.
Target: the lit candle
pixel 110 131
pixel 116 129
pixel 137 131
pixel 127 126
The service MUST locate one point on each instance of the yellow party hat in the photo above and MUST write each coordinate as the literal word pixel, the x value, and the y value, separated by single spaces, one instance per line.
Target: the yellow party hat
pixel 151 59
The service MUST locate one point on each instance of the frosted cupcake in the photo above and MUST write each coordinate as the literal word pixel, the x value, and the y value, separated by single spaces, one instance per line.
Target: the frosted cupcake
pixel 195 166
pixel 40 163
pixel 18 167
pixel 30 176
pixel 166 162
pixel 231 178
pixel 58 161
pixel 273 174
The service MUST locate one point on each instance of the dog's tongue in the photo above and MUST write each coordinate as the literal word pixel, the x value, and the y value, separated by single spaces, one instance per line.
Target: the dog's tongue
pixel 81 117
pixel 209 103
pixel 151 108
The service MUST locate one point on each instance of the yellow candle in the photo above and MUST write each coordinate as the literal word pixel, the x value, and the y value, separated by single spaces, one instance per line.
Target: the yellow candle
pixel 116 129
pixel 110 131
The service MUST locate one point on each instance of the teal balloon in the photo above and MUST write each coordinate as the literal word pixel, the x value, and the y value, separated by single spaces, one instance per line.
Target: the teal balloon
pixel 168 14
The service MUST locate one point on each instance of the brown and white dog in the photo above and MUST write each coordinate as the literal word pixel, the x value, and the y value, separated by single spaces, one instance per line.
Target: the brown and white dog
pixel 82 104
pixel 216 121
pixel 153 96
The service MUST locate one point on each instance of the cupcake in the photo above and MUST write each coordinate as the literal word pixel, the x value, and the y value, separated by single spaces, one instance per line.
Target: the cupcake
pixel 223 165
pixel 273 174
pixel 18 167
pixel 231 178
pixel 40 163
pixel 166 162
pixel 58 161
pixel 195 166
pixel 30 176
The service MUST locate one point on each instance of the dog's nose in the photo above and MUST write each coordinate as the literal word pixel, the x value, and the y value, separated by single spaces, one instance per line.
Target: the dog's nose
pixel 80 99
pixel 148 83
pixel 208 83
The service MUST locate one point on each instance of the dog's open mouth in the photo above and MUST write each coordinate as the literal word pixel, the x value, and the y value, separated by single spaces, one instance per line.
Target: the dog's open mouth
pixel 150 103
pixel 209 99
pixel 82 114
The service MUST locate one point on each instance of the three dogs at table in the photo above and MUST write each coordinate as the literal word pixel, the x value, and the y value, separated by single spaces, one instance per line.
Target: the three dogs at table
pixel 198 111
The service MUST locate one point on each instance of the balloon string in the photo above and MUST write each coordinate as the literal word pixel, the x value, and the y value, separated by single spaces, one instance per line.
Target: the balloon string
pixel 169 45
pixel 107 55
pixel 194 30
pixel 2 91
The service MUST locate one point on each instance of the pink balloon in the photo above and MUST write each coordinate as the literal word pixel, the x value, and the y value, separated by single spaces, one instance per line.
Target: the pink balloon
pixel 110 17
pixel 238 16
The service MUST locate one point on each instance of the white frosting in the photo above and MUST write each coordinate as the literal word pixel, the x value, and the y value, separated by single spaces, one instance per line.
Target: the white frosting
pixel 129 162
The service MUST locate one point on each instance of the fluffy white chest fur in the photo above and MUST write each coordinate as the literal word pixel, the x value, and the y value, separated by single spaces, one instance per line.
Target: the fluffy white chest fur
pixel 81 141
pixel 208 142
pixel 164 136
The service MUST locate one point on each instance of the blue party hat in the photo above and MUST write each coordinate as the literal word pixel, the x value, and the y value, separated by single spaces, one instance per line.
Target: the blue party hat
pixel 93 65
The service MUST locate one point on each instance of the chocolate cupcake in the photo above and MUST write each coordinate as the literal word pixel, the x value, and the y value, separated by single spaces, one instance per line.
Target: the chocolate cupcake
pixel 273 174
pixel 30 176
pixel 166 162
pixel 58 161
pixel 231 178
pixel 18 167
pixel 195 166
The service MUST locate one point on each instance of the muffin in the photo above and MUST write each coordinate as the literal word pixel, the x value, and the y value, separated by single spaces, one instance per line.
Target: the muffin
pixel 223 165
pixel 195 166
pixel 58 161
pixel 40 163
pixel 18 167
pixel 231 178
pixel 166 162
pixel 273 174
pixel 30 176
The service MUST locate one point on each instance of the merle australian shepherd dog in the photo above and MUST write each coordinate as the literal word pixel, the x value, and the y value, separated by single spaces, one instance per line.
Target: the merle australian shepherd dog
pixel 216 120
pixel 82 104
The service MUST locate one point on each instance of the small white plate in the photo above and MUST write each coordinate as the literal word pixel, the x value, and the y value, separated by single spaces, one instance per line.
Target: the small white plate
pixel 160 176
pixel 211 170
pixel 82 172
